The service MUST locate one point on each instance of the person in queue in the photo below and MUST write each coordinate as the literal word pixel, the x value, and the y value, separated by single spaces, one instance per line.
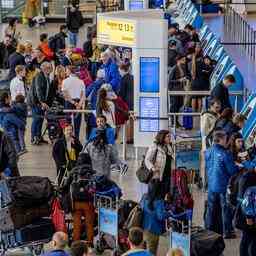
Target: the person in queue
pixel 173 36
pixel 11 31
pixel 225 121
pixel 58 244
pixel 220 91
pixel 220 167
pixel 17 58
pixel 79 248
pixel 112 75
pixel 6 50
pixel 154 215
pixel 44 46
pixel 28 52
pixel 60 39
pixel 40 96
pixel 208 121
pixel 103 155
pixel 39 58
pixel 8 155
pixel 65 151
pixel 74 94
pixel 159 158
pixel 17 85
pixel 172 53
pixel 136 243
pixel 67 61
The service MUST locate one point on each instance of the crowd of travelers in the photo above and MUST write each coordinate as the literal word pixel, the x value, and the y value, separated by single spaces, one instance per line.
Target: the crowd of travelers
pixel 56 75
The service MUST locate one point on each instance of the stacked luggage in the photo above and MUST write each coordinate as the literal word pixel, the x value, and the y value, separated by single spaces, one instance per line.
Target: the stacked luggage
pixel 25 210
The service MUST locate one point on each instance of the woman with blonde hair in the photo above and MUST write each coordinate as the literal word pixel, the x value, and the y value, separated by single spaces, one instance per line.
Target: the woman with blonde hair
pixel 60 75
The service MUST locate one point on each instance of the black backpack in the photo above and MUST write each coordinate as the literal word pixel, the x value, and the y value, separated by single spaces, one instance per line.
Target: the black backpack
pixel 82 186
pixel 52 42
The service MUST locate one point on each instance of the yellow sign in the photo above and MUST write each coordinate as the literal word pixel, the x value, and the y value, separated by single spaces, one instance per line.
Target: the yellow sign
pixel 117 32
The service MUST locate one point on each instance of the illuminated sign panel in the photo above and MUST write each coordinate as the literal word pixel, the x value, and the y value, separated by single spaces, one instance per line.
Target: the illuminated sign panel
pixel 116 32
pixel 136 5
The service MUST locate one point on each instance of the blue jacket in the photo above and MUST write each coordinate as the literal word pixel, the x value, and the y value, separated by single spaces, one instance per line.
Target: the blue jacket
pixel 21 111
pixel 220 167
pixel 154 221
pixel 137 252
pixel 249 165
pixel 112 75
pixel 92 90
pixel 56 253
pixel 110 133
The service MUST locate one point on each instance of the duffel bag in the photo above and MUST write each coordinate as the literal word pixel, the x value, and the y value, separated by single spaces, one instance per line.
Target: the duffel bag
pixel 26 191
pixel 41 230
pixel 206 242
pixel 12 217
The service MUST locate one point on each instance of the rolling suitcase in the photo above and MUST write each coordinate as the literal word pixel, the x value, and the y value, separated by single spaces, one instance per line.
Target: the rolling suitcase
pixel 206 242
pixel 38 231
pixel 12 217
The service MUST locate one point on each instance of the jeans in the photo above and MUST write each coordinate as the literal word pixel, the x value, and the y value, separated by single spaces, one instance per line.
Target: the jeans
pixel 248 244
pixel 77 118
pixel 219 215
pixel 72 38
pixel 83 209
pixel 12 133
pixel 21 136
pixel 37 122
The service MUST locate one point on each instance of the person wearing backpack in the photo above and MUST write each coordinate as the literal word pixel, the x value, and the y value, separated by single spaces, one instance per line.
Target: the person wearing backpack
pixel 243 221
pixel 220 167
pixel 154 215
pixel 58 42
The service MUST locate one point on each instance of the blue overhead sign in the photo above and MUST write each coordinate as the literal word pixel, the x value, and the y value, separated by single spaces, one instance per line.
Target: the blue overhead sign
pixel 135 5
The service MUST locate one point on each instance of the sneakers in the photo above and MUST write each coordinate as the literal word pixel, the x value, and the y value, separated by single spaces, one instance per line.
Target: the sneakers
pixel 123 168
pixel 231 235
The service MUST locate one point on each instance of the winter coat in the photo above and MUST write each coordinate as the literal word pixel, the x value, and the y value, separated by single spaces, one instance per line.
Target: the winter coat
pixel 8 156
pixel 110 133
pixel 154 220
pixel 74 20
pixel 47 51
pixel 5 52
pixel 38 90
pixel 32 8
pixel 92 91
pixel 102 159
pixel 112 75
pixel 221 93
pixel 127 90
pixel 220 167
pixel 14 60
pixel 208 121
pixel 159 165
pixel 60 41
pixel 21 111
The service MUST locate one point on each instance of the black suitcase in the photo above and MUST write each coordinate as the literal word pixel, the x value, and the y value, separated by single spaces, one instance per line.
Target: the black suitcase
pixel 12 217
pixel 206 242
pixel 42 230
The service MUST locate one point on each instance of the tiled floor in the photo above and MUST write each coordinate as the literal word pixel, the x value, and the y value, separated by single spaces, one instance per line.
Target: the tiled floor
pixel 38 161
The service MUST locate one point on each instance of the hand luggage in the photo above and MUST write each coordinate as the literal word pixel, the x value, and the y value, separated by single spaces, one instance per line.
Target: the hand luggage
pixel 41 230
pixel 187 120
pixel 12 217
pixel 206 242
pixel 26 191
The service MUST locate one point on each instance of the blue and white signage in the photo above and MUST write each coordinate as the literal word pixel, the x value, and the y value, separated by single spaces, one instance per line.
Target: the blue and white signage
pixel 136 5
pixel 108 221
pixel 149 114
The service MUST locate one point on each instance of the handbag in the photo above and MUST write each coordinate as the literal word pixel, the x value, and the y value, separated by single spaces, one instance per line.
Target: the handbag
pixel 143 174
pixel 58 216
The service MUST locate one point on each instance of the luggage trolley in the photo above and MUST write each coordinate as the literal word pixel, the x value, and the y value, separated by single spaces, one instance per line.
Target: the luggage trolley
pixel 180 238
pixel 107 221
pixel 8 241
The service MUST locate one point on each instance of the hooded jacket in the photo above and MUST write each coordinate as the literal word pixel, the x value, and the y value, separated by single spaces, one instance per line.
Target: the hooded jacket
pixel 220 167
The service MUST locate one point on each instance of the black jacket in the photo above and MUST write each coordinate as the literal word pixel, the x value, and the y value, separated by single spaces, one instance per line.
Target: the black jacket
pixel 5 52
pixel 127 90
pixel 14 60
pixel 60 149
pixel 74 20
pixel 38 91
pixel 221 93
pixel 8 156
pixel 60 41
pixel 87 47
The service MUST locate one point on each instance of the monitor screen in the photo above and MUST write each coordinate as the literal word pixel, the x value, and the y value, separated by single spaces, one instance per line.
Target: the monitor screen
pixel 149 74
pixel 135 5
pixel 149 114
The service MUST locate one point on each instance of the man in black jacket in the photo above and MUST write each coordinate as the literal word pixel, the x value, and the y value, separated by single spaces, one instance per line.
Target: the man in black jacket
pixel 8 155
pixel 74 22
pixel 58 42
pixel 6 49
pixel 40 96
pixel 221 93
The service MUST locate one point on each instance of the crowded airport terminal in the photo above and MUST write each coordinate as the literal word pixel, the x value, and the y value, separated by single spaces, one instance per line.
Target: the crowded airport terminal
pixel 127 128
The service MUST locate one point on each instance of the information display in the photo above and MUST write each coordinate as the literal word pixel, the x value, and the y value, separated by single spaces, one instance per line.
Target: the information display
pixel 149 113
pixel 108 221
pixel 149 74
pixel 116 32
pixel 136 5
